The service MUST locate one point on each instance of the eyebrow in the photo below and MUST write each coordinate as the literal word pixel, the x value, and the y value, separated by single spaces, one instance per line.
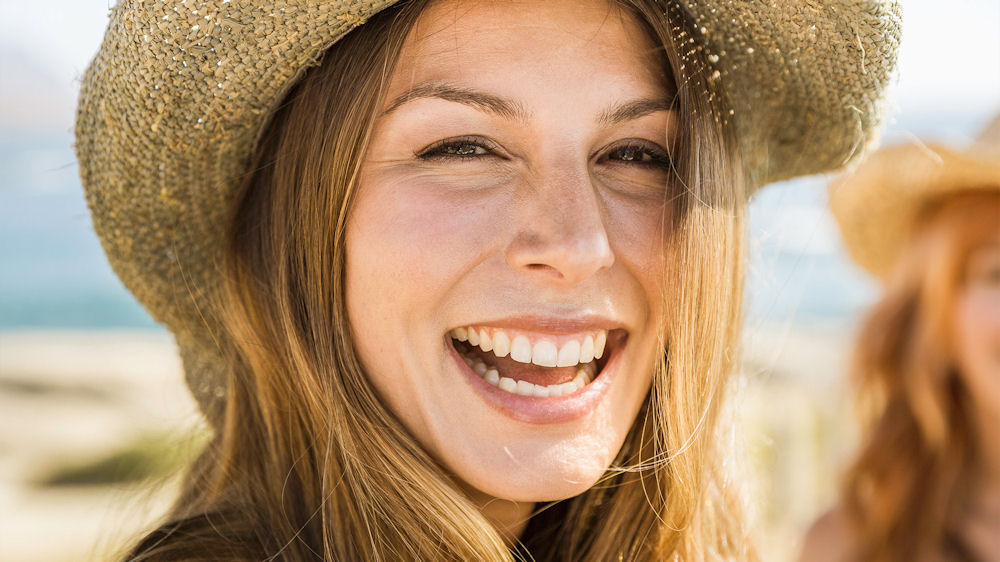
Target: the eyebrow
pixel 513 110
pixel 490 103
pixel 634 110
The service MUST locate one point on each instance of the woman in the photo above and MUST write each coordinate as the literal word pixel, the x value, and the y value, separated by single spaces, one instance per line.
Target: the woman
pixel 926 483
pixel 427 291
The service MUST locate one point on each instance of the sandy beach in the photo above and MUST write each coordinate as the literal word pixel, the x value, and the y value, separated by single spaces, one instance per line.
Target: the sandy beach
pixel 72 398
pixel 68 399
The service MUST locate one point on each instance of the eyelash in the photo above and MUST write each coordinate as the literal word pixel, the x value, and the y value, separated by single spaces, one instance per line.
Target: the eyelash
pixel 650 155
pixel 450 148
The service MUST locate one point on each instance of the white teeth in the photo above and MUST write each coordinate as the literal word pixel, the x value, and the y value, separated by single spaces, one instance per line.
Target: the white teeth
pixel 580 353
pixel 501 344
pixel 544 354
pixel 584 376
pixel 557 389
pixel 587 350
pixel 569 355
pixel 569 387
pixel 520 350
pixel 485 341
pixel 525 388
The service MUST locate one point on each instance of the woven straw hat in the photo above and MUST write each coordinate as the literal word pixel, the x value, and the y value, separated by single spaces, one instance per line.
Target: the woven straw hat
pixel 878 205
pixel 172 105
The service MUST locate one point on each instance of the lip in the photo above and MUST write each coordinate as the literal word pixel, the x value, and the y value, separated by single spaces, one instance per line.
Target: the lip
pixel 551 409
pixel 554 325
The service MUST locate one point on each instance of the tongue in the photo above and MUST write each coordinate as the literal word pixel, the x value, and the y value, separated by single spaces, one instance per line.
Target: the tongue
pixel 543 376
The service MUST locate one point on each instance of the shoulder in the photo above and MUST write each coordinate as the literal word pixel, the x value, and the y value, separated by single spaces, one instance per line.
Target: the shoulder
pixel 830 539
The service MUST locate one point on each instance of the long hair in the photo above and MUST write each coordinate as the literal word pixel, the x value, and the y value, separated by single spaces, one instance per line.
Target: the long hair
pixel 309 464
pixel 907 484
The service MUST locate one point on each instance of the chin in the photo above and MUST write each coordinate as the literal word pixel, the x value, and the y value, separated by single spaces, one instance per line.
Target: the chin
pixel 539 472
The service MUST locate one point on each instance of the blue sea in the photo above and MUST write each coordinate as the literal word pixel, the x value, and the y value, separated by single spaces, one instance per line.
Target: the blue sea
pixel 53 273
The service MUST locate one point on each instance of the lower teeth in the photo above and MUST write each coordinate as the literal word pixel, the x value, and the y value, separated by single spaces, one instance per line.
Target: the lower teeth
pixel 584 375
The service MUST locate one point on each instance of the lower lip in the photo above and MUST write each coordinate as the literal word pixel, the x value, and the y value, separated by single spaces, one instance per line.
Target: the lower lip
pixel 538 410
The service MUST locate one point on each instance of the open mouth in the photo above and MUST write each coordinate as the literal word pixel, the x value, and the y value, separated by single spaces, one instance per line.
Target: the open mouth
pixel 534 364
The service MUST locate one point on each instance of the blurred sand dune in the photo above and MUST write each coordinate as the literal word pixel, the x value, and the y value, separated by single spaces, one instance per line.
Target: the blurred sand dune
pixel 66 397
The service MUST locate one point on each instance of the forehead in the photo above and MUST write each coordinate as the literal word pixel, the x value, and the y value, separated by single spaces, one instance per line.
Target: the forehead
pixel 501 44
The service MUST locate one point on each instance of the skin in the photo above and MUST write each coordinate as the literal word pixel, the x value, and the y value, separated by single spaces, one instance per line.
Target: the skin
pixel 547 219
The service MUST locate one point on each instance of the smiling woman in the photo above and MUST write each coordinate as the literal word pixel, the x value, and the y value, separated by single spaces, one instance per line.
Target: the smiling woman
pixel 469 288
pixel 546 178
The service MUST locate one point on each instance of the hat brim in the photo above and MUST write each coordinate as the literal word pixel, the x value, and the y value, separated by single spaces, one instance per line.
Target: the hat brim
pixel 878 205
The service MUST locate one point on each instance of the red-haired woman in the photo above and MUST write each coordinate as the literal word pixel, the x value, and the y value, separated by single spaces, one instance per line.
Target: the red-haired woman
pixel 925 484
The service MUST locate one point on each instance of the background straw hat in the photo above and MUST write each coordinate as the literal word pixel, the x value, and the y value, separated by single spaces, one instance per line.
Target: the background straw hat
pixel 878 204
pixel 171 107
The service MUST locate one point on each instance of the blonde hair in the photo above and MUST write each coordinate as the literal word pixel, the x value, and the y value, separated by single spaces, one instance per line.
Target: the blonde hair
pixel 310 464
pixel 907 484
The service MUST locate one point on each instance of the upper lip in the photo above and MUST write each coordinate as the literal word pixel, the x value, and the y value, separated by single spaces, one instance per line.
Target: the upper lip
pixel 556 324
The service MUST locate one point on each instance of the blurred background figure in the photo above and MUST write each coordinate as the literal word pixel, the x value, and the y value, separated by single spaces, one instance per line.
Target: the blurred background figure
pixel 925 482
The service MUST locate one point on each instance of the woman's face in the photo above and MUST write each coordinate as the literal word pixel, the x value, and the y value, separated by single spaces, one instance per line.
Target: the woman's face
pixel 508 229
pixel 978 324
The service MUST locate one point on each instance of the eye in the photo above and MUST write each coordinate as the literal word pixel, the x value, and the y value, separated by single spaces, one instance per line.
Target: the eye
pixel 461 148
pixel 987 272
pixel 982 267
pixel 642 153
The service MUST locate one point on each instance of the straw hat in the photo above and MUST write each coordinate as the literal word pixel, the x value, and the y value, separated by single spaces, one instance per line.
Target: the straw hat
pixel 878 204
pixel 172 105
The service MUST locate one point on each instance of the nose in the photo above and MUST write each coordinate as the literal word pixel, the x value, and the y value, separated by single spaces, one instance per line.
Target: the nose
pixel 561 236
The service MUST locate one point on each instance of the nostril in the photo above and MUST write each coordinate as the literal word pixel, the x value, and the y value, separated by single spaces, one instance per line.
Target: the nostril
pixel 546 268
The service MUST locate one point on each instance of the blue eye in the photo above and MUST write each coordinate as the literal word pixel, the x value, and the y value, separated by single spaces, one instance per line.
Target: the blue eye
pixel 463 148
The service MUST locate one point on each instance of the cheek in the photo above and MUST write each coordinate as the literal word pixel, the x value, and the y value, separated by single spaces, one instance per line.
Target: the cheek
pixel 978 332
pixel 640 239
pixel 404 253
pixel 400 240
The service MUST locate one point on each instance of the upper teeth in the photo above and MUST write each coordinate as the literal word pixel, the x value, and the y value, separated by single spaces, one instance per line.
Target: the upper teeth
pixel 544 352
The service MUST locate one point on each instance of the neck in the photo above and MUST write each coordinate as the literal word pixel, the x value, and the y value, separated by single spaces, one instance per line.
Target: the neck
pixel 509 518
